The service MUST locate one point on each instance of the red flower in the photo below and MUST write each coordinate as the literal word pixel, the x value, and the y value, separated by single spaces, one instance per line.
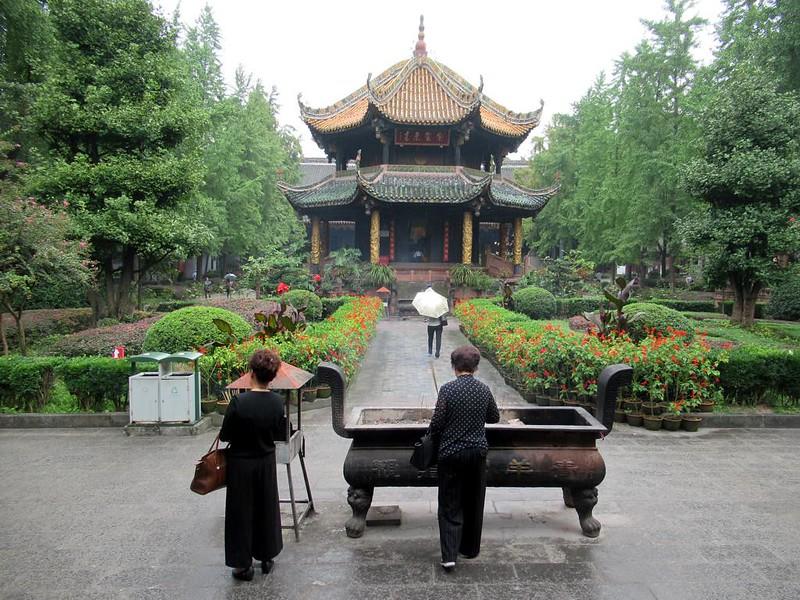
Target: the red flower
pixel 317 278
pixel 282 288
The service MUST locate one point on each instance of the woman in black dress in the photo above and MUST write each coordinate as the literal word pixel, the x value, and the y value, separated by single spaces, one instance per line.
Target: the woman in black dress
pixel 253 421
pixel 463 408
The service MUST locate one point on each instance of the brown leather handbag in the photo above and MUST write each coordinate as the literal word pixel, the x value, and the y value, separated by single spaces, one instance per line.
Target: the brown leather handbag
pixel 209 472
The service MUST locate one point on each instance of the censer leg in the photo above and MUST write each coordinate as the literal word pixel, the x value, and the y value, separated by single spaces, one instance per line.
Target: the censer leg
pixel 308 486
pixel 359 500
pixel 292 502
pixel 585 500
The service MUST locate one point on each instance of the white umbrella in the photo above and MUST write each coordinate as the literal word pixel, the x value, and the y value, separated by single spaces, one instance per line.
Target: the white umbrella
pixel 430 303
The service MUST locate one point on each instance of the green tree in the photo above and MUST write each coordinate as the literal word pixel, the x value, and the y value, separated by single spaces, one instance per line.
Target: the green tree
pixel 35 246
pixel 749 176
pixel 25 43
pixel 121 126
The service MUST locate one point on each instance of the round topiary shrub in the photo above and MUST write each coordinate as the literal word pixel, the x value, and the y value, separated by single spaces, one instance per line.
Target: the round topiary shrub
pixel 191 327
pixel 535 302
pixel 657 318
pixel 306 302
pixel 784 303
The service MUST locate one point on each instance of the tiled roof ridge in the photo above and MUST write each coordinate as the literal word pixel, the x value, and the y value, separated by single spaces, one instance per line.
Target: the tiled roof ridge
pixel 467 99
pixel 549 190
pixel 379 91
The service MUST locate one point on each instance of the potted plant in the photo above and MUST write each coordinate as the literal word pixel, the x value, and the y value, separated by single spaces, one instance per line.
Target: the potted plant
pixel 671 419
pixel 634 419
pixel 208 405
pixel 381 276
pixel 690 422
pixel 309 394
pixel 323 391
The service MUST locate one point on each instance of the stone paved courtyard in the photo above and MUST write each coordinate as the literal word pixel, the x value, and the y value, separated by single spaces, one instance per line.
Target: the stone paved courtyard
pixel 94 514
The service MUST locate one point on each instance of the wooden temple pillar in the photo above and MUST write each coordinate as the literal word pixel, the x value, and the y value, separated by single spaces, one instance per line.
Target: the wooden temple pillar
pixel 518 246
pixel 374 236
pixel 503 240
pixel 315 244
pixel 466 239
pixel 324 240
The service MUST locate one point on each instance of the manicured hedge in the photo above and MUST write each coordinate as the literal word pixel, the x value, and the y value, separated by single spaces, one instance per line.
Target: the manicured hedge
pixel 535 302
pixel 685 305
pixel 569 307
pixel 761 309
pixel 307 302
pixel 784 303
pixel 26 381
pixel 752 371
pixel 96 381
pixel 331 305
pixel 192 327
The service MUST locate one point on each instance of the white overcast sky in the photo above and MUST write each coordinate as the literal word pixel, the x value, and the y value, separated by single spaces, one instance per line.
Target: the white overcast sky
pixel 525 50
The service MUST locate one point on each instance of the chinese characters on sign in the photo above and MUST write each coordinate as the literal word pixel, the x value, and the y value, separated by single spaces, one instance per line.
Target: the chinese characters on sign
pixel 419 137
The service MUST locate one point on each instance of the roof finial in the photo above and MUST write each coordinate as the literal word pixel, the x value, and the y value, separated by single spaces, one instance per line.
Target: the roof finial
pixel 420 49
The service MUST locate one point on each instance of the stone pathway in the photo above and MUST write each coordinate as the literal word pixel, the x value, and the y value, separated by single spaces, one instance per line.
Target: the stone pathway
pixel 94 514
pixel 397 370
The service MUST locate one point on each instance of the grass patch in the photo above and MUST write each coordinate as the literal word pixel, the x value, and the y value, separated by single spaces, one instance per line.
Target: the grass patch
pixel 765 335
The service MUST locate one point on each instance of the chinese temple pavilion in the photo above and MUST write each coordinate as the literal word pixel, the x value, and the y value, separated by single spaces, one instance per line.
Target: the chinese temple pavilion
pixel 427 187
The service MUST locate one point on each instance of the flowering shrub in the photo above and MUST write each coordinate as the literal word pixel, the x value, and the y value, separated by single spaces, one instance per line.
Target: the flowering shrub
pixel 342 339
pixel 101 341
pixel 41 323
pixel 542 356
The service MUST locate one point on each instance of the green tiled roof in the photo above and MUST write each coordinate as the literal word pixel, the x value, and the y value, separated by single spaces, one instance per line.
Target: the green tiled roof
pixel 406 184
pixel 504 193
pixel 438 185
pixel 333 191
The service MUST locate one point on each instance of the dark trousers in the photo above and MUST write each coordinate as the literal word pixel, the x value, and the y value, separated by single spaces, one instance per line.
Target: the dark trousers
pixel 462 490
pixel 252 513
pixel 435 329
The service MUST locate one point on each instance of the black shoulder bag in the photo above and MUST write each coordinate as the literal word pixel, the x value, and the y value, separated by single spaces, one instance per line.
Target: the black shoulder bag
pixel 425 452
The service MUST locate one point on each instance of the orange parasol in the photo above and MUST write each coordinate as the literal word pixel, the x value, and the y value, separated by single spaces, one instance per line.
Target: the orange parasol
pixel 288 377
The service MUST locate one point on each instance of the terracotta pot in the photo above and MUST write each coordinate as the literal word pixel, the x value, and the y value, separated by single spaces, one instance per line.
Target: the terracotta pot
pixel 632 405
pixel 323 391
pixel 309 394
pixel 652 422
pixel 671 422
pixel 619 416
pixel 222 406
pixel 690 423
pixel 543 400
pixel 569 402
pixel 634 419
pixel 556 402
pixel 208 406
pixel 651 408
pixel 705 407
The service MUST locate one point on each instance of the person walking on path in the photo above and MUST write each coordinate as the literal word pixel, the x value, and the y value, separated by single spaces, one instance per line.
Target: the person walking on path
pixel 252 423
pixel 435 328
pixel 207 285
pixel 463 408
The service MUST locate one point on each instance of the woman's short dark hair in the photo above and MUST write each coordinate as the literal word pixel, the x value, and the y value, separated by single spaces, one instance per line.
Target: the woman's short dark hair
pixel 465 359
pixel 264 365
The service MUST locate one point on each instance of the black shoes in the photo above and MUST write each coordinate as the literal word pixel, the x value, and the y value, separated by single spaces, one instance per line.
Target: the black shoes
pixel 266 566
pixel 244 574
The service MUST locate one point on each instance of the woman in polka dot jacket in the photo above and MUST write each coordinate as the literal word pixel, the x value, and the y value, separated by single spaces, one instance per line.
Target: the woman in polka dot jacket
pixel 464 406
